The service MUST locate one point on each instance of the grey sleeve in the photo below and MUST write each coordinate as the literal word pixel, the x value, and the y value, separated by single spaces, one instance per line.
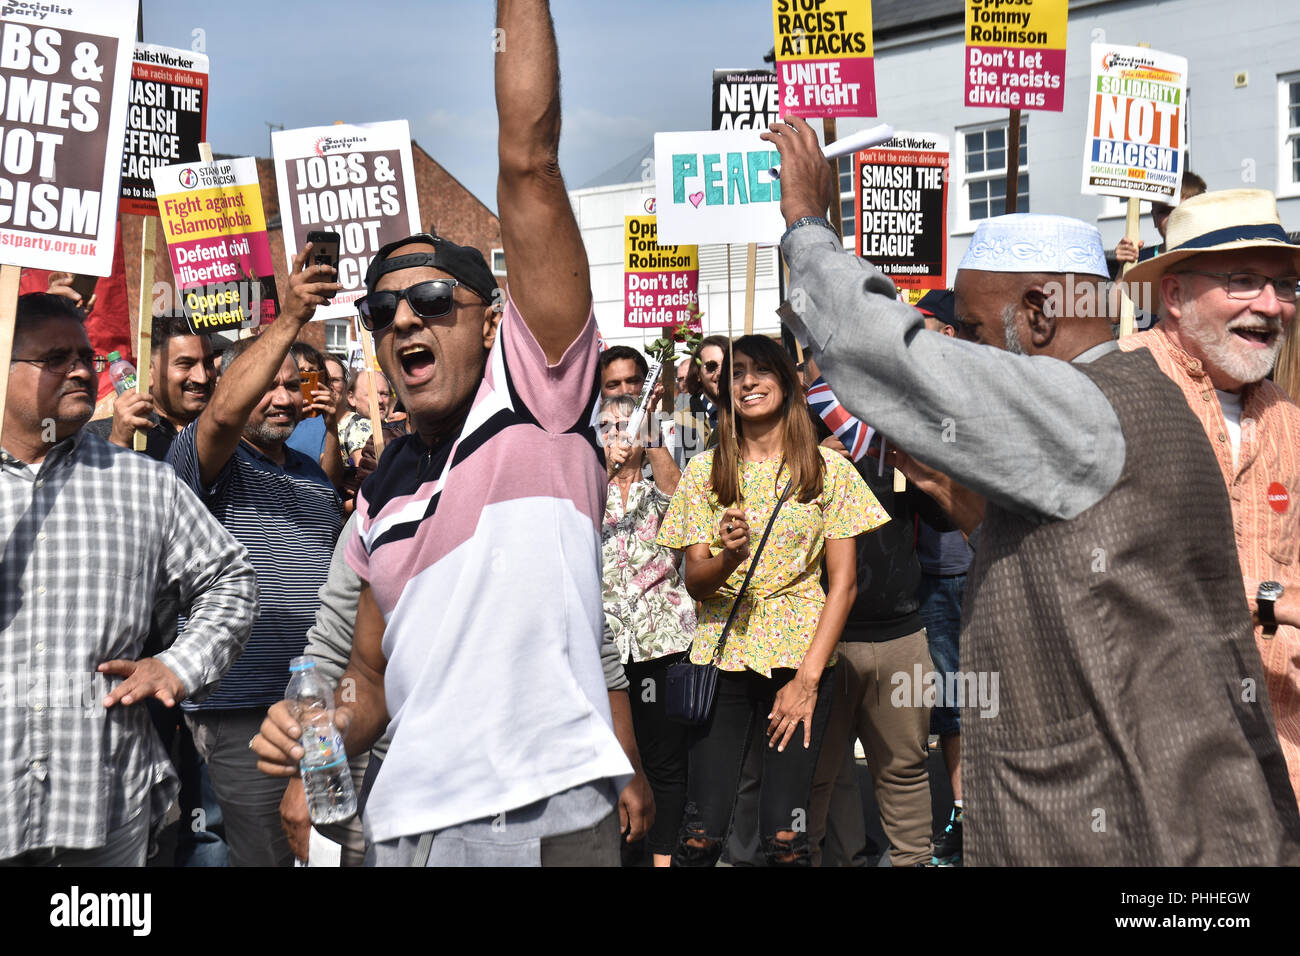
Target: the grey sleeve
pixel 1031 433
pixel 329 640
pixel 615 678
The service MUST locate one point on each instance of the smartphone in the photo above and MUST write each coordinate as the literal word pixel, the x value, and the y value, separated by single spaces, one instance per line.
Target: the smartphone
pixel 84 286
pixel 308 382
pixel 324 249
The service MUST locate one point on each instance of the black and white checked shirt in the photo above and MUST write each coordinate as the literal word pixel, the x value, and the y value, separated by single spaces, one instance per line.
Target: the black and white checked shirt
pixel 90 538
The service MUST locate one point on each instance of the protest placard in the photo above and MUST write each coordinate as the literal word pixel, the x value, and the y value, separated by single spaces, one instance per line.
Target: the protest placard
pixel 717 187
pixel 901 195
pixel 354 179
pixel 64 79
pixel 1015 54
pixel 1133 144
pixel 745 99
pixel 824 57
pixel 660 283
pixel 166 120
pixel 216 236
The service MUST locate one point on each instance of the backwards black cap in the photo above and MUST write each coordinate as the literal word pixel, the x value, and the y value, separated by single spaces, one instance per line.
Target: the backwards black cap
pixel 938 303
pixel 464 263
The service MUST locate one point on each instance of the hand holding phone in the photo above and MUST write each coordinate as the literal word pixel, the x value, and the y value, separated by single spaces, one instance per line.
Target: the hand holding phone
pixel 324 249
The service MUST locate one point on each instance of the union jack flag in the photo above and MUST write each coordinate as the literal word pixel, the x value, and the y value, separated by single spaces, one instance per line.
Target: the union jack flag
pixel 855 434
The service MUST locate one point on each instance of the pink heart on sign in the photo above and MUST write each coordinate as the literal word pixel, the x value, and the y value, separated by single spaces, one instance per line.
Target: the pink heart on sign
pixel 696 199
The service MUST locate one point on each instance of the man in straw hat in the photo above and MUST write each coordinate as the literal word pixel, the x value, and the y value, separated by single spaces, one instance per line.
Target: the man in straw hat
pixel 1226 287
pixel 1105 592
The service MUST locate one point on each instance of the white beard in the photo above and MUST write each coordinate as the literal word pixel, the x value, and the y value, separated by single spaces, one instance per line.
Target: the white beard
pixel 1011 332
pixel 1222 351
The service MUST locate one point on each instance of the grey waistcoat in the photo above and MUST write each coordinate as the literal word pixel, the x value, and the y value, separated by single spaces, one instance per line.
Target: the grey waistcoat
pixel 1132 723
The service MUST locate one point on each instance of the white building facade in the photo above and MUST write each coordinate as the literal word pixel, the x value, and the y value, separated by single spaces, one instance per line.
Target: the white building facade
pixel 1242 130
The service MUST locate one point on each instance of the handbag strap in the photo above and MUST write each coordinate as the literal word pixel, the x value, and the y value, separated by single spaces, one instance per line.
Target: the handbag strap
pixel 726 628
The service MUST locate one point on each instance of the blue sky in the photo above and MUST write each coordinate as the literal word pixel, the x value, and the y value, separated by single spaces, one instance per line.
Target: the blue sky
pixel 629 68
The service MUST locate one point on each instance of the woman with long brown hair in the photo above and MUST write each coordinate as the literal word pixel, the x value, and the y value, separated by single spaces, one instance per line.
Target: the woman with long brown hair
pixel 774 666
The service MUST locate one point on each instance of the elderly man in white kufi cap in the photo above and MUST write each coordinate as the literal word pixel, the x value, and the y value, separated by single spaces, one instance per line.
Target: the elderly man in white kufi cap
pixel 1105 591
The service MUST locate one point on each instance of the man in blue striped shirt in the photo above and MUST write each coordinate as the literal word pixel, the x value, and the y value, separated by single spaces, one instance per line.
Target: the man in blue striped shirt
pixel 281 506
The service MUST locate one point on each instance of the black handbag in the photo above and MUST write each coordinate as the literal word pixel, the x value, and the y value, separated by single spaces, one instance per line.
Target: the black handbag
pixel 691 687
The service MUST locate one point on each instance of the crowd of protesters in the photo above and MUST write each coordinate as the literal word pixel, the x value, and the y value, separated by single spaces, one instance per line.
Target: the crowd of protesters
pixel 1082 592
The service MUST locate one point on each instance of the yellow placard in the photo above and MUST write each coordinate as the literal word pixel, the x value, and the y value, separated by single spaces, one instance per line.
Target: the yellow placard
pixel 211 213
pixel 1028 23
pixel 831 30
pixel 642 252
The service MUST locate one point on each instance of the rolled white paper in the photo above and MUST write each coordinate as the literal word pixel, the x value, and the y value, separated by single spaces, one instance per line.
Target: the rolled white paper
pixel 864 139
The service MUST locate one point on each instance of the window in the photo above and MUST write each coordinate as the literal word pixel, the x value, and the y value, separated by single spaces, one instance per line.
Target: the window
pixel 336 336
pixel 498 262
pixel 1288 178
pixel 984 172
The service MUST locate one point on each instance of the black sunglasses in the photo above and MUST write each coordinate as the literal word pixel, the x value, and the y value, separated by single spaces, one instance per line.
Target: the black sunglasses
pixel 428 300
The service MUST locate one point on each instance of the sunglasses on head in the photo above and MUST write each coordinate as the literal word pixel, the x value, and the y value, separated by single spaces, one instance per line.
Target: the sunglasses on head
pixel 428 300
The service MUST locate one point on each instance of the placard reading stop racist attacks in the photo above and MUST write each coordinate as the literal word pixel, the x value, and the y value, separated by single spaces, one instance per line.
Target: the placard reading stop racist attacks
pixel 901 196
pixel 64 76
pixel 165 122
pixel 824 57
pixel 356 180
pixel 216 237
pixel 1133 146
pixel 660 283
pixel 1015 54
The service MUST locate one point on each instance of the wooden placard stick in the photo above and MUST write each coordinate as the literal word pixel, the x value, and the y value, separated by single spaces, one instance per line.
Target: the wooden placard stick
pixel 1132 226
pixel 144 324
pixel 376 423
pixel 751 273
pixel 9 276
pixel 829 134
pixel 1013 160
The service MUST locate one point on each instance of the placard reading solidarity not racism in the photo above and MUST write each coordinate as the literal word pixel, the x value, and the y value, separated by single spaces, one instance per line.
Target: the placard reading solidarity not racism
pixel 1015 54
pixel 356 180
pixel 901 196
pixel 660 283
pixel 64 76
pixel 166 121
pixel 824 57
pixel 745 99
pixel 1133 146
pixel 717 187
pixel 216 237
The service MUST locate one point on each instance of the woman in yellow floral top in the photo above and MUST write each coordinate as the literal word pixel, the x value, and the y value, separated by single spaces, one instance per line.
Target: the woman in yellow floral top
pixel 775 665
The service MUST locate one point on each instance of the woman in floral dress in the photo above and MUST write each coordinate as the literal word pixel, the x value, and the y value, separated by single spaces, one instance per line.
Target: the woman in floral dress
pixel 647 609
pixel 775 669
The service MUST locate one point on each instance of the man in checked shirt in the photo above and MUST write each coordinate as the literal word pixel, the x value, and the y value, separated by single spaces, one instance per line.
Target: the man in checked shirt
pixel 91 535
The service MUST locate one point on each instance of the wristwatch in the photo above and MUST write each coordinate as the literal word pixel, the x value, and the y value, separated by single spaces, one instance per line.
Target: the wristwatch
pixel 1269 594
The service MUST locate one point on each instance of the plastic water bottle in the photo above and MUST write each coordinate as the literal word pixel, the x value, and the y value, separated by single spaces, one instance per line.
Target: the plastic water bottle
pixel 121 372
pixel 326 776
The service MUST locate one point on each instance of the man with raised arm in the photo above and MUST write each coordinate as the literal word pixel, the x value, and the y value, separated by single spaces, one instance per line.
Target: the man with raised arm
pixel 281 506
pixel 479 621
